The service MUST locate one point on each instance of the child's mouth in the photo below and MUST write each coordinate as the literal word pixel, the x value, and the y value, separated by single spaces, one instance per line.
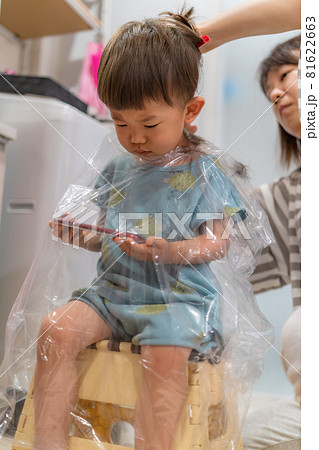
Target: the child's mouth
pixel 142 152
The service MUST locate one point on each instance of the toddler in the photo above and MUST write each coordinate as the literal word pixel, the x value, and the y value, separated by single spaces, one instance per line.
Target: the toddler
pixel 159 293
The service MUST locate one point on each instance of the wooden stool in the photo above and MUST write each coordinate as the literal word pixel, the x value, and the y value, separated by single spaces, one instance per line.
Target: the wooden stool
pixel 109 382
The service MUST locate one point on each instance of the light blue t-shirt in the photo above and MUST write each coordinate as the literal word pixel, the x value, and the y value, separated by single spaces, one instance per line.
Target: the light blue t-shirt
pixel 149 302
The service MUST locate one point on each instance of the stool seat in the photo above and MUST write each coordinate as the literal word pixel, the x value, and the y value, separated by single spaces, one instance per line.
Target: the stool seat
pixel 109 382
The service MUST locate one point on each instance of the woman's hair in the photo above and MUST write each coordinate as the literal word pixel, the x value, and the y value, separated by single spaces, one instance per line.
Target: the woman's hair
pixel 154 59
pixel 285 53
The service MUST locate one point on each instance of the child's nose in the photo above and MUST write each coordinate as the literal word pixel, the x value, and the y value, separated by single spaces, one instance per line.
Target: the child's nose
pixel 138 137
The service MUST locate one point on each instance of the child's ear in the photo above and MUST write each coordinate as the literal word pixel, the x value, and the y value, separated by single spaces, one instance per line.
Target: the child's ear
pixel 193 108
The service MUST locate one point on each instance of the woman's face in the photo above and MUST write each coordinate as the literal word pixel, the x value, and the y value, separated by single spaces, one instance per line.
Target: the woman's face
pixel 282 91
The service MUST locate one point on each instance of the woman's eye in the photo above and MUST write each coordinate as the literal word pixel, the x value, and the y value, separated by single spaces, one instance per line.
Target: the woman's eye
pixel 283 76
pixel 121 126
pixel 151 126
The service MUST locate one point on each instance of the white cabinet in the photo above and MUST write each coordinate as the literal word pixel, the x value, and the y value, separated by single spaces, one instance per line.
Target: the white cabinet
pixel 54 141
pixel 7 134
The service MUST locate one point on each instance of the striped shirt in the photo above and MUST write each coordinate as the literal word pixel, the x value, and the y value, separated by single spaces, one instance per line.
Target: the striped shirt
pixel 280 263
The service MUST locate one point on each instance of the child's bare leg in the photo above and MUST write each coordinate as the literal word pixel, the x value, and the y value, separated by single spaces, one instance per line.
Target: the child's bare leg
pixel 162 396
pixel 64 333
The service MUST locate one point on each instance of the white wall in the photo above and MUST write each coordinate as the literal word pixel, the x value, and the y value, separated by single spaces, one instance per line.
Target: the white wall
pixel 11 50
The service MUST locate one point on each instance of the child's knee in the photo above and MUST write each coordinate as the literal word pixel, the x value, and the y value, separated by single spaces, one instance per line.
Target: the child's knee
pixel 165 361
pixel 55 337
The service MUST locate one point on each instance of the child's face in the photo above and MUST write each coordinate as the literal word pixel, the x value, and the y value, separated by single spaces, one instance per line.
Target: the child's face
pixel 150 132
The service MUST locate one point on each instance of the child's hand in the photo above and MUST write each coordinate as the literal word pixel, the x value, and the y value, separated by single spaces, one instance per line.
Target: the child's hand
pixel 67 234
pixel 154 249
pixel 62 230
pixel 74 236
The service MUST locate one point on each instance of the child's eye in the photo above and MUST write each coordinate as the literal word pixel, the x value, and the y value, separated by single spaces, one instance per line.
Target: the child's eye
pixel 121 126
pixel 151 126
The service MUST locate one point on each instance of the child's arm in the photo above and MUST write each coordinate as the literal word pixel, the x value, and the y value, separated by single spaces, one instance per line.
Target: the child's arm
pixel 206 247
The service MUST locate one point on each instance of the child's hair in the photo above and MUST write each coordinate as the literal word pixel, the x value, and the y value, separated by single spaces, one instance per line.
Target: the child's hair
pixel 154 59
pixel 286 53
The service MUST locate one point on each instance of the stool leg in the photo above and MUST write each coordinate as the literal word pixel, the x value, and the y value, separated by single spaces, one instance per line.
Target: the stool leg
pixel 162 396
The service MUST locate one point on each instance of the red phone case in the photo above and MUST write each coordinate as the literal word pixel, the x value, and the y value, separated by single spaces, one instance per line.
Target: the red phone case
pixel 100 230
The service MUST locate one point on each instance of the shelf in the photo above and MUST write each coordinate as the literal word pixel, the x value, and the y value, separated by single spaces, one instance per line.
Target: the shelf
pixel 37 18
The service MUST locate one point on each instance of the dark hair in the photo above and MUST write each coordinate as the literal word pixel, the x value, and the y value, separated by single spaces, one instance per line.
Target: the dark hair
pixel 154 59
pixel 285 53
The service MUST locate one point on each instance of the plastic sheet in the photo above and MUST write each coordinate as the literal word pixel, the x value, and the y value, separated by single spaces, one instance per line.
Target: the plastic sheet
pixel 153 256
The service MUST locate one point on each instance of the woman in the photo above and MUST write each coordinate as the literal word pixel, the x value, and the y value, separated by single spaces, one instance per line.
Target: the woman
pixel 279 423
pixel 280 264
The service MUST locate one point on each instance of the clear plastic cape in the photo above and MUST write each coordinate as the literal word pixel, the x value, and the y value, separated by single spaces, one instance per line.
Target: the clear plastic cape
pixel 185 293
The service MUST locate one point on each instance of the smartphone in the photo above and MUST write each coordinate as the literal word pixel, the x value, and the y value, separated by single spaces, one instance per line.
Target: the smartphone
pixel 99 230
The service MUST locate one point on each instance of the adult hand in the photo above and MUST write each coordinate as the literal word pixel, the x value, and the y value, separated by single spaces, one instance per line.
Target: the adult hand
pixel 250 18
